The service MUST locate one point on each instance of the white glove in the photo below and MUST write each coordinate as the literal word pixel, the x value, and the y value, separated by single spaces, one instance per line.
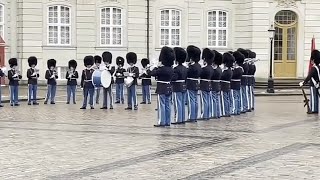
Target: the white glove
pixel 52 76
pixel 34 74
pixel 118 74
pixel 301 83
pixel 130 74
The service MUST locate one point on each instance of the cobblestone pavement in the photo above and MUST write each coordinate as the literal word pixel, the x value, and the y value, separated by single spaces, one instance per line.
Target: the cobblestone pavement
pixel 277 141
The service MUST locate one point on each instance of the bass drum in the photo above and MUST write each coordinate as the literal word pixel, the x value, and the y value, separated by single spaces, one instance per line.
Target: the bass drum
pixel 101 78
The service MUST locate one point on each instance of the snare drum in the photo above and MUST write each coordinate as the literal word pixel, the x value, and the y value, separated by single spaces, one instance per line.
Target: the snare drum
pixel 101 78
pixel 128 81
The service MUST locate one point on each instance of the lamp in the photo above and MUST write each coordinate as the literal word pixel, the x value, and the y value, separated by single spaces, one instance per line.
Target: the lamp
pixel 270 79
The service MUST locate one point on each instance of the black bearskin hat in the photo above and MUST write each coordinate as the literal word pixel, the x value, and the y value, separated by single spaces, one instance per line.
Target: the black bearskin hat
pixel 145 62
pixel 217 58
pixel 131 58
pixel 13 62
pixel 194 53
pixel 228 59
pixel 244 52
pixel 208 56
pixel 72 63
pixel 315 56
pixel 181 54
pixel 32 61
pixel 239 57
pixel 88 60
pixel 120 61
pixel 107 57
pixel 231 52
pixel 252 54
pixel 97 59
pixel 167 56
pixel 51 62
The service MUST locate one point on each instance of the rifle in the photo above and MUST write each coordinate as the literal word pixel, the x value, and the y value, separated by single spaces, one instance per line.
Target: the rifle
pixel 306 100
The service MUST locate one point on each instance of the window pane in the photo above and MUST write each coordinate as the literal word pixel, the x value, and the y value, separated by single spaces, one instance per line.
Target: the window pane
pixel 53 34
pixel 1 14
pixel 175 37
pixel 212 19
pixel 116 35
pixel 105 16
pixel 164 37
pixel 63 72
pixel 222 38
pixel 212 37
pixel 175 18
pixel 65 34
pixel 116 14
pixel 165 18
pixel 105 35
pixel 53 14
pixel 222 19
pixel 65 15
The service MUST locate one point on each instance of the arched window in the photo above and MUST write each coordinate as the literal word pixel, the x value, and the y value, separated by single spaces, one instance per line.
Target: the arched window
pixel 217 26
pixel 59 25
pixel 111 26
pixel 2 20
pixel 170 27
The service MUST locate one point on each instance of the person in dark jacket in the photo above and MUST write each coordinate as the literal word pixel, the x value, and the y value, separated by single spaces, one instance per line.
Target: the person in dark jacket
pixel 179 87
pixel 313 78
pixel 107 92
pixel 215 84
pixel 226 76
pixel 205 84
pixel 32 75
pixel 251 79
pixel 2 74
pixel 146 82
pixel 14 77
pixel 165 75
pixel 97 66
pixel 72 76
pixel 244 81
pixel 120 80
pixel 237 72
pixel 86 82
pixel 194 72
pixel 133 72
pixel 51 76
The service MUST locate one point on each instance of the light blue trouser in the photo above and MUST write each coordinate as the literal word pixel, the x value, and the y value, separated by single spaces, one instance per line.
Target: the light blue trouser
pixel 192 105
pixel 32 93
pixel 98 95
pixel 244 98
pixel 0 94
pixel 179 106
pixel 119 92
pixel 108 94
pixel 251 94
pixel 51 92
pixel 235 101
pixel 14 93
pixel 146 93
pixel 314 99
pixel 216 104
pixel 164 109
pixel 71 91
pixel 132 96
pixel 205 104
pixel 225 103
pixel 86 92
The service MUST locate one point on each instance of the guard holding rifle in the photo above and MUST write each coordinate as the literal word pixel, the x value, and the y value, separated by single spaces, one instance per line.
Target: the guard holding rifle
pixel 33 75
pixel 313 77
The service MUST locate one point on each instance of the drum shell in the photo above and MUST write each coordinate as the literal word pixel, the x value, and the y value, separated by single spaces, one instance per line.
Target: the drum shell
pixel 101 78
pixel 128 81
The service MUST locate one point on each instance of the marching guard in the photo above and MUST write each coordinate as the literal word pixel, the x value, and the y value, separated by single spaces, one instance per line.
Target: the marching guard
pixel 215 84
pixel 86 82
pixel 107 92
pixel 226 76
pixel 32 75
pixel 146 82
pixel 205 84
pixel 179 86
pixel 120 80
pixel 72 76
pixel 133 72
pixel 165 75
pixel 194 71
pixel 313 77
pixel 1 76
pixel 244 82
pixel 251 79
pixel 236 83
pixel 14 77
pixel 51 76
pixel 97 66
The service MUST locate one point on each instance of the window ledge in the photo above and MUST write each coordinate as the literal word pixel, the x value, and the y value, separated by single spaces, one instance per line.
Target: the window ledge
pixel 59 47
pixel 121 48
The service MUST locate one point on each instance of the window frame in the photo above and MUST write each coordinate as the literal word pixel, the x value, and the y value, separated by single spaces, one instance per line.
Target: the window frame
pixel 59 25
pixel 170 27
pixel 111 26
pixel 217 28
pixel 60 77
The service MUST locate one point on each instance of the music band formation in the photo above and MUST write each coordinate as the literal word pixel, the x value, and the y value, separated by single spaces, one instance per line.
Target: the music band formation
pixel 225 83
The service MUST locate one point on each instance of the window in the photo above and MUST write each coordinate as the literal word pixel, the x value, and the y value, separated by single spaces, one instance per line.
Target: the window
pixel 62 72
pixel 111 27
pixel 59 25
pixel 170 27
pixel 2 21
pixel 217 28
